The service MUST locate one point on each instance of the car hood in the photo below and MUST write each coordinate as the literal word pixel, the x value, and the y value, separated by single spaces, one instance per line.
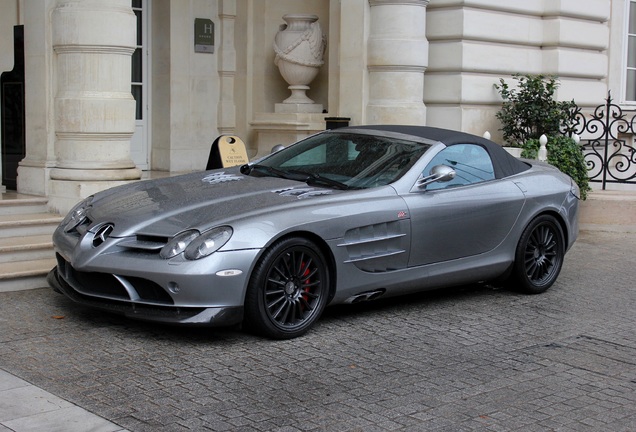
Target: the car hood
pixel 200 200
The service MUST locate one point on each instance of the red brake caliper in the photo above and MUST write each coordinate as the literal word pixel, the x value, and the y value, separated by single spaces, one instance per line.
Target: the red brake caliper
pixel 306 281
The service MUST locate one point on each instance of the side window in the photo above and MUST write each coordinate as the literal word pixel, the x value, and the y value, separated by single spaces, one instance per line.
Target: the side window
pixel 471 163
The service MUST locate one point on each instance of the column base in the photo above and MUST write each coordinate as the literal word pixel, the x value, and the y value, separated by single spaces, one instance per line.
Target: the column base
pixel 64 194
pixel 33 179
pixel 95 174
pixel 397 113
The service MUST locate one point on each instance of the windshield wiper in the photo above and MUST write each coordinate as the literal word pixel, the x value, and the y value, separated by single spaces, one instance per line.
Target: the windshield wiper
pixel 287 175
pixel 268 170
pixel 315 178
pixel 309 178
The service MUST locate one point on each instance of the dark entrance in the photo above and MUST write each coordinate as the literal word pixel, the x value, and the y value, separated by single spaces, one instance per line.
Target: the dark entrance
pixel 12 113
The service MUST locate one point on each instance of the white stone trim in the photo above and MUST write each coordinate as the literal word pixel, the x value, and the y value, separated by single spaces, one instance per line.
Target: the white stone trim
pixel 422 3
pixel 94 49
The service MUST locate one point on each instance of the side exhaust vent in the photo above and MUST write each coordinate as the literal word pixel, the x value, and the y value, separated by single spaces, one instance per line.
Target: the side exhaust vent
pixel 365 296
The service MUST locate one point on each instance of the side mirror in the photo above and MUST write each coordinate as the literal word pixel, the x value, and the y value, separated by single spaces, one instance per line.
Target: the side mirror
pixel 439 173
pixel 277 148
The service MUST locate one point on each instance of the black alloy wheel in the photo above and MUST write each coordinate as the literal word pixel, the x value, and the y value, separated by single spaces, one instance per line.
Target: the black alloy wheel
pixel 539 255
pixel 288 290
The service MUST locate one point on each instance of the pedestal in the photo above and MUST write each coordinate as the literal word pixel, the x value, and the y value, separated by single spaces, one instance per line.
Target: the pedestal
pixel 294 108
pixel 273 129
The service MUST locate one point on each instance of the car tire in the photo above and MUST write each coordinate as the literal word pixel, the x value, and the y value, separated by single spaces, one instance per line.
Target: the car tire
pixel 539 256
pixel 288 289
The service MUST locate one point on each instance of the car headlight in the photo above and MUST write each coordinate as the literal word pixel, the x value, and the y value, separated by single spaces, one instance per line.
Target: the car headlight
pixel 77 215
pixel 208 243
pixel 178 244
pixel 196 245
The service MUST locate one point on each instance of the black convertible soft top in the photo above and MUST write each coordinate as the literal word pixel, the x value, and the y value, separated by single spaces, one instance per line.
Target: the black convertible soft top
pixel 504 164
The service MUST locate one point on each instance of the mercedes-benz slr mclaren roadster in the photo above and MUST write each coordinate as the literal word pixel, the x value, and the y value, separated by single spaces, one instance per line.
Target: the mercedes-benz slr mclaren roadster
pixel 346 215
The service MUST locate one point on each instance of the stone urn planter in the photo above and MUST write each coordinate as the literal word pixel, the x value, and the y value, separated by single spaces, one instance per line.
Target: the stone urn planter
pixel 514 151
pixel 299 46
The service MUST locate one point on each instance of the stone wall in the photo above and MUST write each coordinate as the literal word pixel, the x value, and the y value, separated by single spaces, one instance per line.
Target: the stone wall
pixel 473 43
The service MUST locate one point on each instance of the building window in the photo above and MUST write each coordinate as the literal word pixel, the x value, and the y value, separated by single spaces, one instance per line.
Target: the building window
pixel 630 73
pixel 137 60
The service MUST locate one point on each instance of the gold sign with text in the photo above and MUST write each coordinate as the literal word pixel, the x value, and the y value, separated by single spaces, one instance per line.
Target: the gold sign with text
pixel 232 151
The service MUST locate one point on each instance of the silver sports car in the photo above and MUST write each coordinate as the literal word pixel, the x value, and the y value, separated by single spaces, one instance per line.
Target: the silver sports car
pixel 343 216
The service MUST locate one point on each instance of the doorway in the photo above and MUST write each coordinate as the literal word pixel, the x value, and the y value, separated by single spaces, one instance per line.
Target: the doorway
pixel 140 88
pixel 12 108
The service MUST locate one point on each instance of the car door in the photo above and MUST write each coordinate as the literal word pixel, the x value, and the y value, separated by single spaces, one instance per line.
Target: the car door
pixel 466 216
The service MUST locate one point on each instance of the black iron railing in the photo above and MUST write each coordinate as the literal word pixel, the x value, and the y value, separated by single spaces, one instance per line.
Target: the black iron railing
pixel 607 144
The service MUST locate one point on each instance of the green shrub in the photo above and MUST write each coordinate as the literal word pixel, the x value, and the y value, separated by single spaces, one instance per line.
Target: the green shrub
pixel 565 154
pixel 530 110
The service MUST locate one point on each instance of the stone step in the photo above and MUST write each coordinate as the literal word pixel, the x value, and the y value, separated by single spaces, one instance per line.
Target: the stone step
pixel 16 276
pixel 28 224
pixel 15 249
pixel 13 203
pixel 609 210
pixel 26 246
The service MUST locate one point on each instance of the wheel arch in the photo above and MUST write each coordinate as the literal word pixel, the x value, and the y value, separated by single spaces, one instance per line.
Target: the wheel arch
pixel 324 249
pixel 539 258
pixel 559 218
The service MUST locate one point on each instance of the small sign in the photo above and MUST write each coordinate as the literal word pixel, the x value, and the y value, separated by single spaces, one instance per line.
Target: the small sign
pixel 227 151
pixel 203 35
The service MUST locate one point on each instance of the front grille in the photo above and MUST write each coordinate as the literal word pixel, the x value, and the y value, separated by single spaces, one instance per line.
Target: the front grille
pixel 107 285
pixel 149 290
pixel 80 229
pixel 100 284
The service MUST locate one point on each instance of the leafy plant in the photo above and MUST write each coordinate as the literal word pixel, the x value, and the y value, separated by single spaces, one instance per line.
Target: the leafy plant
pixel 530 110
pixel 565 154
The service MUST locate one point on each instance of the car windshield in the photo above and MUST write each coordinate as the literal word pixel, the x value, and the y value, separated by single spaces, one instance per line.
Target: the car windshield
pixel 343 160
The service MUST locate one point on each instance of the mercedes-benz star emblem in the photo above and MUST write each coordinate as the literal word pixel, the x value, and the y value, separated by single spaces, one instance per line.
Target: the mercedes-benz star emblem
pixel 102 234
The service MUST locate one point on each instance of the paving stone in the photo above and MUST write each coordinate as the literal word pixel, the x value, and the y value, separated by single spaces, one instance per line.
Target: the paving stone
pixel 71 419
pixel 466 359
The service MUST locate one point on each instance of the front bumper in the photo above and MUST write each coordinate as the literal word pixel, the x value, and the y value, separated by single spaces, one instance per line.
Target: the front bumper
pixel 140 284
pixel 189 316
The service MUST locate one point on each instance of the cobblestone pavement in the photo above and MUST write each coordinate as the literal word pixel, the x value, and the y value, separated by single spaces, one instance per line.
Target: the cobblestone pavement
pixel 469 359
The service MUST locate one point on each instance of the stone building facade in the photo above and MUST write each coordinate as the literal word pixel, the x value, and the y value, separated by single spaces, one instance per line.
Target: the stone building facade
pixel 116 89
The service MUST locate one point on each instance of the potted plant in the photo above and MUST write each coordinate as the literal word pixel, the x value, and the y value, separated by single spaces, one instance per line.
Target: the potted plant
pixel 529 110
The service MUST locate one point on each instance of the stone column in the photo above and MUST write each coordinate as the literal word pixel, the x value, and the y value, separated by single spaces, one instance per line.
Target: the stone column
pixel 227 67
pixel 94 111
pixel 397 58
pixel 34 169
